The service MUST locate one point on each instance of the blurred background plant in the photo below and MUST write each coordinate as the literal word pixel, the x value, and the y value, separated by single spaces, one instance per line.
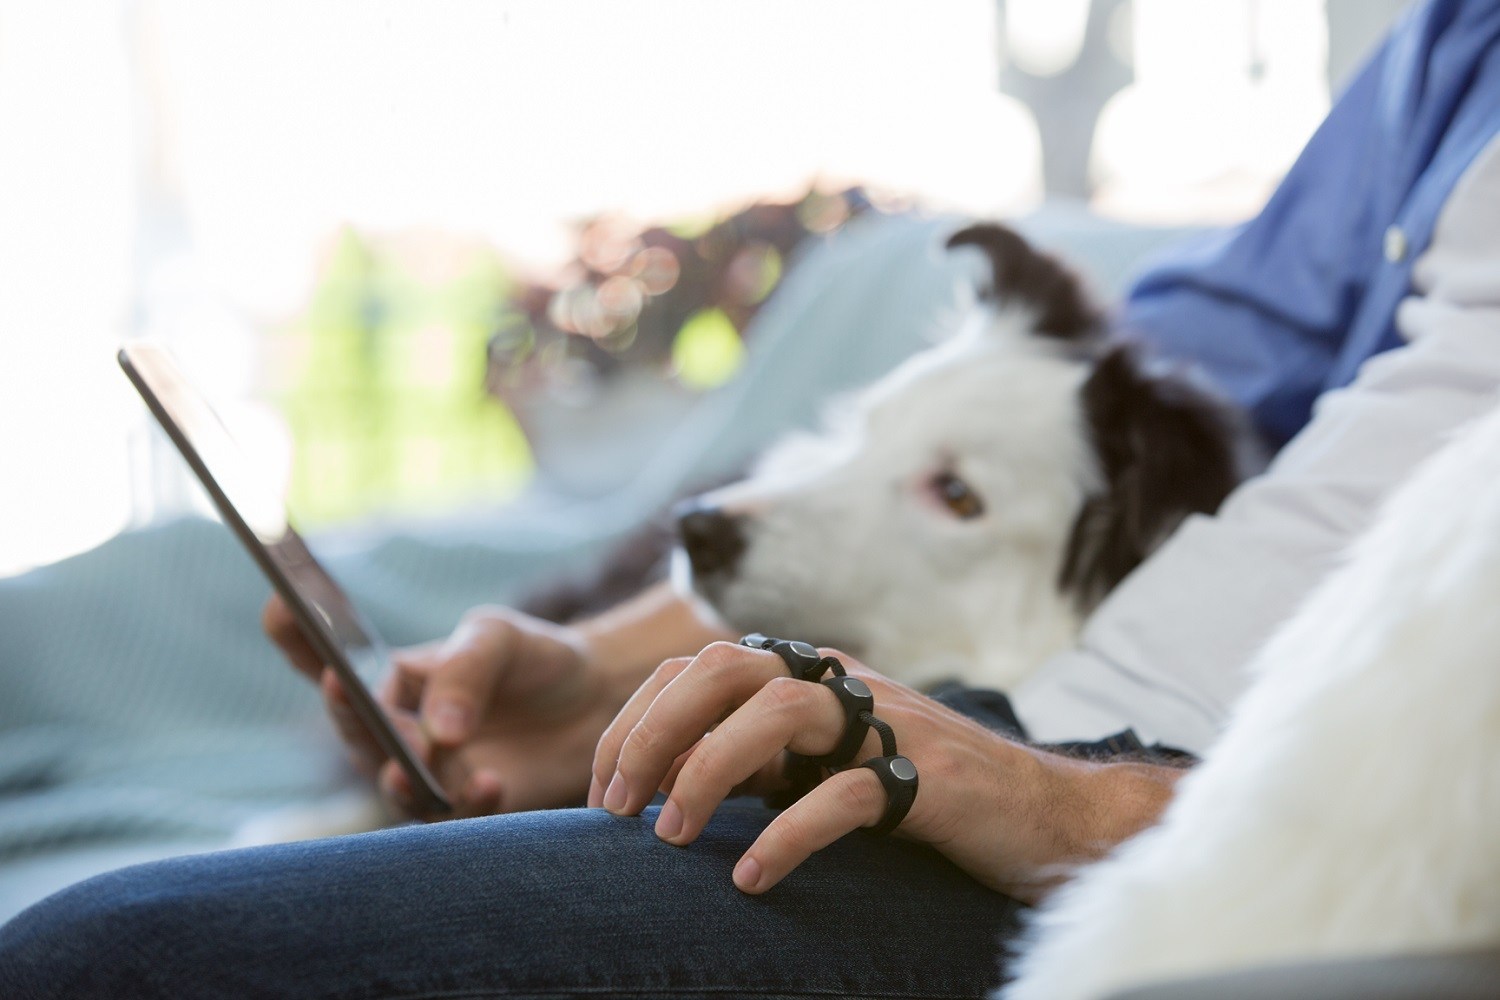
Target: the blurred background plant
pixel 678 296
pixel 643 319
pixel 380 380
pixel 422 368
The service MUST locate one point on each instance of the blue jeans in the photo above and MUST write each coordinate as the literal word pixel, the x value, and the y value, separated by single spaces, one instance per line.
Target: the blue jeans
pixel 547 904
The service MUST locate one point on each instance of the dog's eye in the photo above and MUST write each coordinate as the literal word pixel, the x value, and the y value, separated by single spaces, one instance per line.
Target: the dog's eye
pixel 954 492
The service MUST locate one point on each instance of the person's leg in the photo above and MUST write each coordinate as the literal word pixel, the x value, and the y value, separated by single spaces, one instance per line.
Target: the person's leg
pixel 535 904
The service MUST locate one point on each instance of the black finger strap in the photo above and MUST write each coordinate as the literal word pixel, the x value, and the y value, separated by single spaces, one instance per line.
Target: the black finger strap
pixel 801 658
pixel 886 734
pixel 898 776
pixel 857 701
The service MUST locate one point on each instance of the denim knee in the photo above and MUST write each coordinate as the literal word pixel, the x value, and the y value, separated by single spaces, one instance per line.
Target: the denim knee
pixel 108 936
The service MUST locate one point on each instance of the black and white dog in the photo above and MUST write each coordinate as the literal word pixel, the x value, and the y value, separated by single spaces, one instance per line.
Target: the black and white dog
pixel 960 516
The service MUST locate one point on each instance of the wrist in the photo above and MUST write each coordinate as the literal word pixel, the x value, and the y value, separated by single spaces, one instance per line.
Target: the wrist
pixel 1127 797
pixel 1085 809
pixel 610 662
pixel 624 645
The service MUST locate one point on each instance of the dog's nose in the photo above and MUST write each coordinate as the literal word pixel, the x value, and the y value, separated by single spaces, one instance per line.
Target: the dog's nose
pixel 711 538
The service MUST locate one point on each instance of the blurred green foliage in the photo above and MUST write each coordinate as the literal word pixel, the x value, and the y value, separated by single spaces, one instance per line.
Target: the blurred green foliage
pixel 381 381
pixel 707 350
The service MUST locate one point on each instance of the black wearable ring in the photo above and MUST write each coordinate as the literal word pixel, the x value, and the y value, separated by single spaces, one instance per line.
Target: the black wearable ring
pixel 801 658
pixel 898 776
pixel 857 700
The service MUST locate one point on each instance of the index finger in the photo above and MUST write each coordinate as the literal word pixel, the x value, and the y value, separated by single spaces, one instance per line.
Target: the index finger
pixel 468 669
pixel 844 803
pixel 720 678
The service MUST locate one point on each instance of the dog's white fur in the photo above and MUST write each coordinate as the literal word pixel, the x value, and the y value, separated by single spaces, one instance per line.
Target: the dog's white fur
pixel 849 544
pixel 1353 804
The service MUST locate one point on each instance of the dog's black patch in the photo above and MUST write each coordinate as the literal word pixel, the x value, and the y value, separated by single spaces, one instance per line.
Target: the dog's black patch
pixel 1018 273
pixel 1167 448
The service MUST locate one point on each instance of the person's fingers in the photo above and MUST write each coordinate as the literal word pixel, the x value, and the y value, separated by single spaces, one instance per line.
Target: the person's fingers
pixel 278 622
pixel 481 793
pixel 407 679
pixel 771 779
pixel 363 748
pixel 785 714
pixel 391 778
pixel 395 789
pixel 471 794
pixel 670 781
pixel 720 678
pixel 768 780
pixel 845 802
pixel 607 750
pixel 472 664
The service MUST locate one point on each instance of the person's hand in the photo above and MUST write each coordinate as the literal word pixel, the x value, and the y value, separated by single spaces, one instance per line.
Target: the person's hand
pixel 1011 815
pixel 506 711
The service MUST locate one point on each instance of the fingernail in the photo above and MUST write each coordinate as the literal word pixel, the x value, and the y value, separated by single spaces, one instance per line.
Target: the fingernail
pixel 448 721
pixel 615 794
pixel 747 873
pixel 669 823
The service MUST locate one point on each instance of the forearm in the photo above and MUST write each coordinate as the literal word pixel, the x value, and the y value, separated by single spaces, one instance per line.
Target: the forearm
pixel 1079 812
pixel 1019 817
pixel 630 640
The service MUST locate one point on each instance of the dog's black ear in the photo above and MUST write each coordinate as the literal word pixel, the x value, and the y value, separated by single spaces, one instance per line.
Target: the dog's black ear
pixel 1018 273
pixel 1166 448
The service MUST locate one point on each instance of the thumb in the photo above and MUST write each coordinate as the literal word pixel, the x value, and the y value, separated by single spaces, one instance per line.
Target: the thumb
pixel 410 668
pixel 473 664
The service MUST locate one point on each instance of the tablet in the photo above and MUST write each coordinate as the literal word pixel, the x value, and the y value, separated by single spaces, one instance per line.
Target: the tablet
pixel 257 515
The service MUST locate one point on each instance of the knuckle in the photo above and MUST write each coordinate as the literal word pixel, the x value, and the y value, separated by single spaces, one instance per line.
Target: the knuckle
pixel 606 757
pixel 785 694
pixel 604 766
pixel 455 674
pixel 644 740
pixel 720 659
pixel 861 795
pixel 789 830
pixel 490 626
pixel 607 751
pixel 696 775
pixel 479 614
pixel 669 669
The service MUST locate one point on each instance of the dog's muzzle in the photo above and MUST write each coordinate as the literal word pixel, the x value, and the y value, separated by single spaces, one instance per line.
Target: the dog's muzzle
pixel 711 538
